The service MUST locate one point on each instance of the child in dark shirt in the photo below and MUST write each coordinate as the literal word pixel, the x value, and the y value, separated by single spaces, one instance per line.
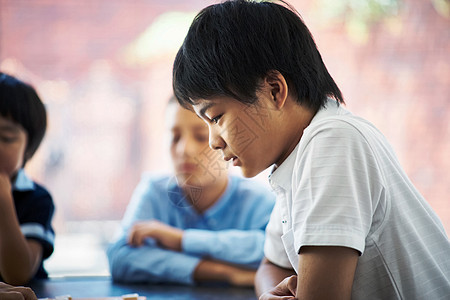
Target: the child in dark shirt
pixel 26 208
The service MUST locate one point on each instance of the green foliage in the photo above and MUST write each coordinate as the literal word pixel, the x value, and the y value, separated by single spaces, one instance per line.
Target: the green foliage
pixel 358 15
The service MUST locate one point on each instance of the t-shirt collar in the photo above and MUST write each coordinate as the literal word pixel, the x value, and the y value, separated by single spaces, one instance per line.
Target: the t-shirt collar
pixel 281 177
pixel 23 182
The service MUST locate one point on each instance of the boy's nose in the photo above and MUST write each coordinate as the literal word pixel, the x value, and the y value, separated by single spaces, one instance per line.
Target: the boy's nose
pixel 185 148
pixel 215 141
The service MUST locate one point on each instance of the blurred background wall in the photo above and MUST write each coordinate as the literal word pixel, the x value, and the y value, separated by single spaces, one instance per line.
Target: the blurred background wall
pixel 103 69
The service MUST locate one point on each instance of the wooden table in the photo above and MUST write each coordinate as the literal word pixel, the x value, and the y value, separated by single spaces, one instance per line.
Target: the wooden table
pixel 101 287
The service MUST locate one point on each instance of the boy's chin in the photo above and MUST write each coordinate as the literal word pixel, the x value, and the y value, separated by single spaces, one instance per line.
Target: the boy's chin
pixel 249 173
pixel 185 180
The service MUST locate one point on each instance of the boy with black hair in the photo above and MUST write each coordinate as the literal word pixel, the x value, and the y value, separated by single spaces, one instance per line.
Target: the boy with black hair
pixel 348 223
pixel 26 208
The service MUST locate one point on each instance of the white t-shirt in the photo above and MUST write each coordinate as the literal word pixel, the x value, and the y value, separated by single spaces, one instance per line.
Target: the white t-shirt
pixel 343 186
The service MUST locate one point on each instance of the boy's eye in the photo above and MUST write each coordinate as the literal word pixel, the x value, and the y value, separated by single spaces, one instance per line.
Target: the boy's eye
pixel 216 119
pixel 175 139
pixel 202 137
pixel 7 139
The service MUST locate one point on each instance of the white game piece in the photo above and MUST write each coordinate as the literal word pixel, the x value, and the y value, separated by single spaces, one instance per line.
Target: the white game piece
pixel 134 296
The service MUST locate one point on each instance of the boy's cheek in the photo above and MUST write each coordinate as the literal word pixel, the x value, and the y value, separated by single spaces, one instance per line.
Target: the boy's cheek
pixel 240 136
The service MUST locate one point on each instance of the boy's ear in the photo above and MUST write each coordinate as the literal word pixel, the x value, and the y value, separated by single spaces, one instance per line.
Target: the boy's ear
pixel 278 87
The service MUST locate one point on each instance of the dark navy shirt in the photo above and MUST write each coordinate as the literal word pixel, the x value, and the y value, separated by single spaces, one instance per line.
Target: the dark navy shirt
pixel 35 208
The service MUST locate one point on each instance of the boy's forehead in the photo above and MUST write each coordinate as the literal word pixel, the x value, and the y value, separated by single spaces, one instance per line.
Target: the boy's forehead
pixel 180 118
pixel 201 106
pixel 8 124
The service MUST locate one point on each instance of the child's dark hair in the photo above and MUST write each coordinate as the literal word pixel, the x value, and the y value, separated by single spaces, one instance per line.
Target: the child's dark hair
pixel 232 46
pixel 20 103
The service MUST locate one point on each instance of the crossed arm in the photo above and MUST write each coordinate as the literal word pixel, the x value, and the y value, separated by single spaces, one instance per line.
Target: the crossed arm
pixel 325 272
pixel 207 270
pixel 19 257
pixel 167 246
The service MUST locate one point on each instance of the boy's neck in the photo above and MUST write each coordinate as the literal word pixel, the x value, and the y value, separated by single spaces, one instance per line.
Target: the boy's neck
pixel 299 117
pixel 209 196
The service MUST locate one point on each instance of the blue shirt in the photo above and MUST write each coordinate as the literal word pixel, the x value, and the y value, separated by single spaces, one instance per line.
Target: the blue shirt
pixel 232 230
pixel 34 208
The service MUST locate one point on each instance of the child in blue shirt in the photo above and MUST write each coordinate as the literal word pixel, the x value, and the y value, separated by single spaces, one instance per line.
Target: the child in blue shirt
pixel 26 208
pixel 348 223
pixel 198 225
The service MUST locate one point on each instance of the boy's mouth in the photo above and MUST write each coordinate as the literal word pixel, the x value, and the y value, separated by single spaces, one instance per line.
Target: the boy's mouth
pixel 187 167
pixel 234 159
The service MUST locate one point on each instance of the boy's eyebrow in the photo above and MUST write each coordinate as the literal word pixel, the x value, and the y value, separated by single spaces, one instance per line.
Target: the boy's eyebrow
pixel 10 128
pixel 205 108
pixel 200 127
pixel 194 128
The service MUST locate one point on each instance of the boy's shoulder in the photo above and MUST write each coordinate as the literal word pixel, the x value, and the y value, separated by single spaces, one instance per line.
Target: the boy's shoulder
pixel 40 190
pixel 156 180
pixel 344 130
pixel 334 120
pixel 334 115
pixel 340 123
pixel 38 194
pixel 34 205
pixel 25 188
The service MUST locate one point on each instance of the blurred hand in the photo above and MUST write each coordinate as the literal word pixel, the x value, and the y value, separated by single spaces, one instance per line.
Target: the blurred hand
pixel 8 292
pixel 167 236
pixel 285 290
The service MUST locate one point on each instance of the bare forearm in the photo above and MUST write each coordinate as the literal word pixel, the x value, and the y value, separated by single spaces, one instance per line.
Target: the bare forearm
pixel 18 257
pixel 326 272
pixel 210 271
pixel 269 275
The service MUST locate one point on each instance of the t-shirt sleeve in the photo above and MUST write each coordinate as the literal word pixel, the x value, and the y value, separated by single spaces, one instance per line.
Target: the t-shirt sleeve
pixel 338 186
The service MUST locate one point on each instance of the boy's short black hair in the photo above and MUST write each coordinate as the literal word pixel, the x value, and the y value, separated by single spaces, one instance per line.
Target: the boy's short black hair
pixel 20 103
pixel 230 47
